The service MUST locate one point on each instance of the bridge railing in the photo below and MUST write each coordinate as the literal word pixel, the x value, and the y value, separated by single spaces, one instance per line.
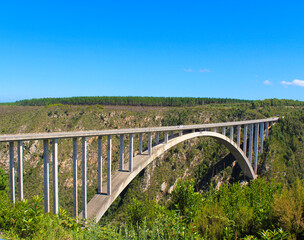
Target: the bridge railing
pixel 257 128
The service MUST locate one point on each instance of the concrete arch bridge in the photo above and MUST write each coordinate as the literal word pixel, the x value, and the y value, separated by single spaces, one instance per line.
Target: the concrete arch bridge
pixel 94 209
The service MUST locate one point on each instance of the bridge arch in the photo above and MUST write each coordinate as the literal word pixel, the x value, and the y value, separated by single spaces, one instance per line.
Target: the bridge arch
pixel 101 202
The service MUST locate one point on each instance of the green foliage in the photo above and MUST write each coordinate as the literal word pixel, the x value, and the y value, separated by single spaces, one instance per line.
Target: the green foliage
pixel 184 200
pixel 3 181
pixel 133 101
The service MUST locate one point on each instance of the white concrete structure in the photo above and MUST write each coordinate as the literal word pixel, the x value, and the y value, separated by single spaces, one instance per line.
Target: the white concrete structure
pixel 116 183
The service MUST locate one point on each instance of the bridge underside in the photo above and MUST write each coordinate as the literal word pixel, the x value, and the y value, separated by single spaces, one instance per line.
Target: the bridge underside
pixel 101 202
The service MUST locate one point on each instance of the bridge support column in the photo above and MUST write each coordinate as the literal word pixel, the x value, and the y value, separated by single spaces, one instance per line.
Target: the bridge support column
pixel 121 152
pixel 215 129
pixel 231 133
pixel 12 171
pixel 239 135
pixel 157 137
pixel 193 131
pixel 20 169
pixel 166 138
pixel 150 144
pixel 171 134
pixel 109 170
pixel 46 176
pixel 99 164
pixel 245 140
pixel 250 143
pixel 140 143
pixel 75 177
pixel 84 178
pixel 256 146
pixel 261 136
pixel 267 129
pixel 224 131
pixel 131 152
pixel 180 133
pixel 55 177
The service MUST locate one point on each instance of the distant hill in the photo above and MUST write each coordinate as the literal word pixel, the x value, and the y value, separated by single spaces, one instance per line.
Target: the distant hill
pixel 153 101
pixel 132 101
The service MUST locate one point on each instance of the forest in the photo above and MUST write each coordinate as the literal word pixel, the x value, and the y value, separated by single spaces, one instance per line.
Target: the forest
pixel 224 206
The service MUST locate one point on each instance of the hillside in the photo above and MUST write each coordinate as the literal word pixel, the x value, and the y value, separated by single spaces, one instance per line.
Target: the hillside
pixel 195 159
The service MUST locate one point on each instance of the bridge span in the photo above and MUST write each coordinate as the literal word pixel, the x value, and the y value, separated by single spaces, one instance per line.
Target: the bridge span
pixel 99 204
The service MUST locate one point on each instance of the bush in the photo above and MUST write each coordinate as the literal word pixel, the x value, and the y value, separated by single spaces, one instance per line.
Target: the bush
pixel 185 200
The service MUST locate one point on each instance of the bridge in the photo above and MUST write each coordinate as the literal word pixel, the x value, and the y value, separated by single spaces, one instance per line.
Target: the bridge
pixel 244 150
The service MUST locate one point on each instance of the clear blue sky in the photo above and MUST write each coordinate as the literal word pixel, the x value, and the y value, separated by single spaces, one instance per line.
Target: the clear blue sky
pixel 227 49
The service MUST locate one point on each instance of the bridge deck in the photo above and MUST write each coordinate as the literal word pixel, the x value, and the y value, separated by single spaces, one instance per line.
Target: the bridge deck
pixel 53 135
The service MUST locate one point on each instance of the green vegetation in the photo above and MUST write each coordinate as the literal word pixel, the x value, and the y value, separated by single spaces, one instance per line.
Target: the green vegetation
pixel 131 101
pixel 211 198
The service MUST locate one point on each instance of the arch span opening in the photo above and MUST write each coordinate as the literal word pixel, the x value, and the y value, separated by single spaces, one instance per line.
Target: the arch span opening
pixel 100 203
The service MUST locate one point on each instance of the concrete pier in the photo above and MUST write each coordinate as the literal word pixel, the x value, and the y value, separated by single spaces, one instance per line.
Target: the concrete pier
pixel 250 143
pixel 75 177
pixel 267 129
pixel 261 137
pixel 99 160
pixel 20 169
pixel 109 170
pixel 245 140
pixel 238 141
pixel 166 138
pixel 131 152
pixel 140 143
pixel 121 153
pixel 55 177
pixel 12 171
pixel 231 133
pixel 150 144
pixel 224 131
pixel 256 146
pixel 84 178
pixel 46 176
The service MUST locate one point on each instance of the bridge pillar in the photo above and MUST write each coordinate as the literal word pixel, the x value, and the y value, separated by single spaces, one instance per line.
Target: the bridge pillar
pixel 261 136
pixel 109 168
pixel 193 131
pixel 166 137
pixel 46 176
pixel 245 140
pixel 256 146
pixel 267 129
pixel 12 171
pixel 131 152
pixel 121 153
pixel 239 135
pixel 224 131
pixel 157 137
pixel 99 164
pixel 84 178
pixel 250 143
pixel 75 177
pixel 140 143
pixel 231 133
pixel 215 129
pixel 20 169
pixel 171 134
pixel 55 177
pixel 150 144
pixel 180 133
